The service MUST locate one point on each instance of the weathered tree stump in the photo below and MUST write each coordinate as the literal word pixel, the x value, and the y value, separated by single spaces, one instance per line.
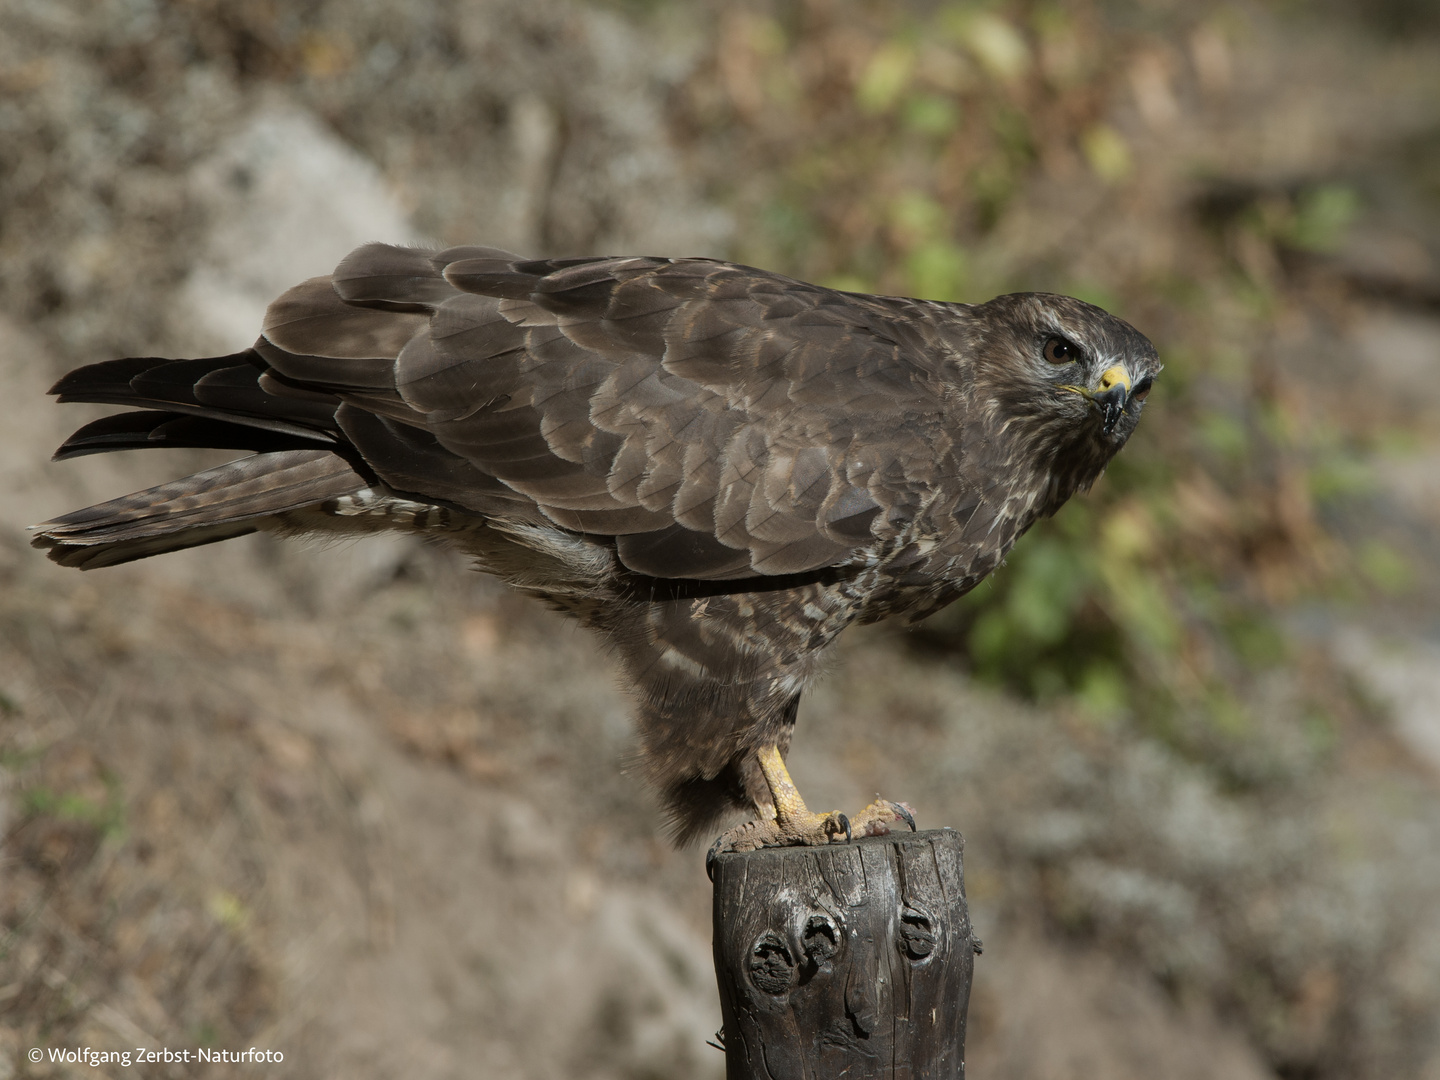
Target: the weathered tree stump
pixel 849 960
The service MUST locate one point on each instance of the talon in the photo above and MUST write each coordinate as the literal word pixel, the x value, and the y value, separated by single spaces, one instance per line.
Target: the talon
pixel 903 813
pixel 845 821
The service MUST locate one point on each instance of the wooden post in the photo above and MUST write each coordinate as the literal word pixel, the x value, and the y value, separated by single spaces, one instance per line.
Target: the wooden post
pixel 848 960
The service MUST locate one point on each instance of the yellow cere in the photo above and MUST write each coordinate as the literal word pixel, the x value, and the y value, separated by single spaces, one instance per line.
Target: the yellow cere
pixel 1114 375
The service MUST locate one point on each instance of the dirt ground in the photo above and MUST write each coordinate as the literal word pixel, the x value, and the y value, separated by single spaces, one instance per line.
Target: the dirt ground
pixel 359 805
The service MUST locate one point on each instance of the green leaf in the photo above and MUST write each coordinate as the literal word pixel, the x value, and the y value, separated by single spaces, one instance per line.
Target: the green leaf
pixel 931 114
pixel 992 40
pixel 885 77
pixel 1322 216
pixel 1107 152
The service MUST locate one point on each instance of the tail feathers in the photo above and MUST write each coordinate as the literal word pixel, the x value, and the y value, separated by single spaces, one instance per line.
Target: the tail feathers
pixel 230 500
pixel 224 388
pixel 148 428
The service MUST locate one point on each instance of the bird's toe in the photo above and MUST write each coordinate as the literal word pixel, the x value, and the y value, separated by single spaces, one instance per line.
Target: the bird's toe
pixel 815 830
pixel 881 816
pixel 750 836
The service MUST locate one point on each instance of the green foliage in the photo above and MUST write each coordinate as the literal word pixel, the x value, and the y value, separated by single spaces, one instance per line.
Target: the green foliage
pixel 886 78
pixel 1385 568
pixel 937 270
pixel 931 114
pixel 1320 217
pixel 1107 152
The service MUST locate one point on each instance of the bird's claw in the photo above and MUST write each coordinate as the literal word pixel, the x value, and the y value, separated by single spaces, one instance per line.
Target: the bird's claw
pixel 876 819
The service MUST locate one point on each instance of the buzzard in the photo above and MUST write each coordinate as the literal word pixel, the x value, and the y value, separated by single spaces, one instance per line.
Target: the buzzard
pixel 716 468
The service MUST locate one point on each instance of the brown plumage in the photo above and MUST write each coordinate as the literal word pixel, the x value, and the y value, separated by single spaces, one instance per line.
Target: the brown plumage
pixel 715 467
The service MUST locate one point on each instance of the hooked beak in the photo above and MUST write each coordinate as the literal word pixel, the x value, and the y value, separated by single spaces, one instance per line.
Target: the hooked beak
pixel 1110 396
pixel 1114 392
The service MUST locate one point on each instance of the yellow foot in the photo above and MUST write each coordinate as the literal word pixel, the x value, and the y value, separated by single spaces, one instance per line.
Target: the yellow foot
pixel 805 828
pixel 794 824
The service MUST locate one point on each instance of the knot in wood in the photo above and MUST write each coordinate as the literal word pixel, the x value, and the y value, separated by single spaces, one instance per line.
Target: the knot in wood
pixel 821 939
pixel 917 933
pixel 772 968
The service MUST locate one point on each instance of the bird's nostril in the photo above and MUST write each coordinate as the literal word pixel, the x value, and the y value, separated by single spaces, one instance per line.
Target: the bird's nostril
pixel 1114 376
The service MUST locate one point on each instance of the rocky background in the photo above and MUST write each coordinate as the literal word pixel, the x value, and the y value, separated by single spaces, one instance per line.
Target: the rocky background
pixel 360 806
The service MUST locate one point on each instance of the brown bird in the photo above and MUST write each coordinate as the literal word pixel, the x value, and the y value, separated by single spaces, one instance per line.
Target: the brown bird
pixel 715 467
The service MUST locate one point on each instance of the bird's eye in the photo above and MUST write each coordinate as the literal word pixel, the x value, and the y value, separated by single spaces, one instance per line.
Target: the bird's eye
pixel 1060 351
pixel 1142 389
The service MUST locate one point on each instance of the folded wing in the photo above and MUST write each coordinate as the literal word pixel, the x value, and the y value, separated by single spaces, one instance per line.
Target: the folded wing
pixel 716 421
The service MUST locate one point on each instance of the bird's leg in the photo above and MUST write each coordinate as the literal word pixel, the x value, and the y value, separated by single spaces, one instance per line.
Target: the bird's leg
pixel 794 822
pixel 787 821
pixel 791 822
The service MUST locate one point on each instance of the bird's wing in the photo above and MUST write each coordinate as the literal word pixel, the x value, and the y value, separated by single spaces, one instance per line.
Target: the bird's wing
pixel 718 421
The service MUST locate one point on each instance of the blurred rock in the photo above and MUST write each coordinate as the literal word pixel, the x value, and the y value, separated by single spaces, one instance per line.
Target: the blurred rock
pixel 1404 674
pixel 1067 1014
pixel 284 200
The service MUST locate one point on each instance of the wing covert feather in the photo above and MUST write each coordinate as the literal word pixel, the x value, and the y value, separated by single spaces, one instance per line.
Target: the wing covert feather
pixel 718 421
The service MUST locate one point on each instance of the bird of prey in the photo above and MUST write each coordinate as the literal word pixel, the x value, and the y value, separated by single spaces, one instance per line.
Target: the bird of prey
pixel 716 468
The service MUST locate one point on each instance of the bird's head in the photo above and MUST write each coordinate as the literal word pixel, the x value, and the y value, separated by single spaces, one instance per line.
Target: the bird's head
pixel 1062 378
